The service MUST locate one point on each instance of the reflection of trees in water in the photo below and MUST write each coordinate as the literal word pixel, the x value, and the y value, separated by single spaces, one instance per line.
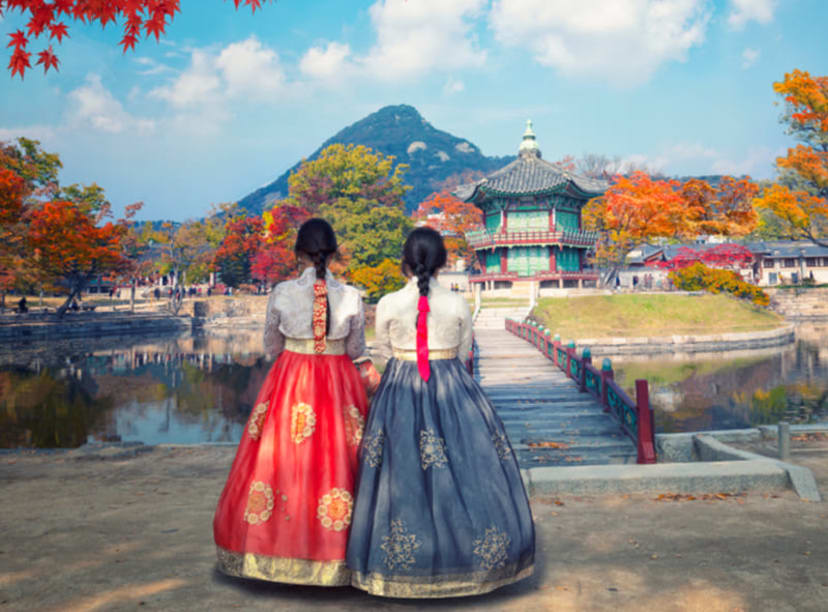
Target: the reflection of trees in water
pixel 47 409
pixel 793 384
pixel 63 397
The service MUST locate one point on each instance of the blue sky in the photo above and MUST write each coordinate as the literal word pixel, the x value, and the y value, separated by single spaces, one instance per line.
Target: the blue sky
pixel 228 100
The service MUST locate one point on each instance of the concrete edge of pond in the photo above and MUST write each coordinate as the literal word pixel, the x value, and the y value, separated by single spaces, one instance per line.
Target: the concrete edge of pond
pixel 692 343
pixel 693 462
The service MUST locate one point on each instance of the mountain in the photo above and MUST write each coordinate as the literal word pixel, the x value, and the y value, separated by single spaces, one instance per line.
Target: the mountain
pixel 433 155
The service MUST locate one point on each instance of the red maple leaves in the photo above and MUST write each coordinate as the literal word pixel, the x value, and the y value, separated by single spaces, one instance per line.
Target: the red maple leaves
pixel 149 17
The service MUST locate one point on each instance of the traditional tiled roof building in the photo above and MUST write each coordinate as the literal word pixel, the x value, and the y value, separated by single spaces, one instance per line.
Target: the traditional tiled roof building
pixel 533 233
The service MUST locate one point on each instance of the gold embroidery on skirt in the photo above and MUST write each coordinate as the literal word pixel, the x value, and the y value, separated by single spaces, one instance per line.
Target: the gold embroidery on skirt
pixel 335 508
pixel 432 450
pixel 501 444
pixel 400 546
pixel 283 569
pixel 491 548
pixel 372 449
pixel 452 585
pixel 259 503
pixel 257 417
pixel 354 425
pixel 302 422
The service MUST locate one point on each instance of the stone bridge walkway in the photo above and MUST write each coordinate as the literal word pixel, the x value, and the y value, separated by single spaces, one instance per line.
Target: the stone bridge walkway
pixel 548 421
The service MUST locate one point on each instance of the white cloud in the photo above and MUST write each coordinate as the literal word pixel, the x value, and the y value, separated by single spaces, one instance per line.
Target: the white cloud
pixel 621 41
pixel 749 57
pixel 412 39
pixel 195 85
pixel 743 11
pixel 416 37
pixel 93 105
pixel 250 69
pixel 242 69
pixel 43 133
pixel 453 86
pixel 328 64
pixel 756 162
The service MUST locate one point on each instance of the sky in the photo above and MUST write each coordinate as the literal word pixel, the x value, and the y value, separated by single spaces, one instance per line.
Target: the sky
pixel 227 101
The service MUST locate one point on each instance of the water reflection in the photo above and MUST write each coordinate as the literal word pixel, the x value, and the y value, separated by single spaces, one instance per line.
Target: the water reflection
pixel 736 389
pixel 192 389
pixel 176 390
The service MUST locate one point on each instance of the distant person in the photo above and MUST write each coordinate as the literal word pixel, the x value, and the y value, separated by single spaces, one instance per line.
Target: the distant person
pixel 22 306
pixel 157 293
pixel 209 291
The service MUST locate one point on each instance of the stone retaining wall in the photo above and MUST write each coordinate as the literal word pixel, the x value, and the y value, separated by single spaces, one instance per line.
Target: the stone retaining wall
pixel 690 343
pixel 800 304
pixel 48 327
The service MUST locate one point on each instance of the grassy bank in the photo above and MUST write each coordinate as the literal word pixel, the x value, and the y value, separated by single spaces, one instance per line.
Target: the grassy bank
pixel 631 316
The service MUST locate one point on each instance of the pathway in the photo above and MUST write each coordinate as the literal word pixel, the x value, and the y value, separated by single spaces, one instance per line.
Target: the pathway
pixel 548 421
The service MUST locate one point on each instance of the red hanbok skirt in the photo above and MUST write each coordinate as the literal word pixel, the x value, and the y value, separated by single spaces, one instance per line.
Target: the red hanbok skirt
pixel 285 511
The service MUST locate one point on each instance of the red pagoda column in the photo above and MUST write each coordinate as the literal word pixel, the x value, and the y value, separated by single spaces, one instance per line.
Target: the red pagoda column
pixel 503 261
pixel 553 264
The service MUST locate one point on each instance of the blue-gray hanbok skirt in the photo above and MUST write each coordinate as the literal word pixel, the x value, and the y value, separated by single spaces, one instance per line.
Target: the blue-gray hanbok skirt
pixel 440 510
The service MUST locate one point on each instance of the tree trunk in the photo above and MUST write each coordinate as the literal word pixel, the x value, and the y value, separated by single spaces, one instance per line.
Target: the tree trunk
pixel 73 293
pixel 132 296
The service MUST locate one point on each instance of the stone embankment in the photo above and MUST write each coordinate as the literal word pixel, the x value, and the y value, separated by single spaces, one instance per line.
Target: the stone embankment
pixel 800 304
pixel 48 326
pixel 696 343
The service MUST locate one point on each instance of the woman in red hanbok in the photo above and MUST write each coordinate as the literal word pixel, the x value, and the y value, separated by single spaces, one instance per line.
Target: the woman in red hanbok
pixel 286 509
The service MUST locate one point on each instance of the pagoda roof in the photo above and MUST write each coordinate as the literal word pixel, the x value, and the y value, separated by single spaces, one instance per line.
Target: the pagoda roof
pixel 530 174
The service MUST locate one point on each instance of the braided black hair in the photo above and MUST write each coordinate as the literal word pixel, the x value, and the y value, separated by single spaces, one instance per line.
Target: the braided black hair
pixel 316 240
pixel 423 254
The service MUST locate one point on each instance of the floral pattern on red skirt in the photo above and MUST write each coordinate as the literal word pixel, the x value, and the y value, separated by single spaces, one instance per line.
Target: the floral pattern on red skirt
pixel 285 510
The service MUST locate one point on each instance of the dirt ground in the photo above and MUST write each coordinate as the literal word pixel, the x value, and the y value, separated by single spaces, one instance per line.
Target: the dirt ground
pixel 135 534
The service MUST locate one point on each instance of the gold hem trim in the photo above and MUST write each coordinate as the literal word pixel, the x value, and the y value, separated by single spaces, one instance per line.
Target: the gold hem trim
pixel 305 346
pixel 452 585
pixel 409 355
pixel 283 569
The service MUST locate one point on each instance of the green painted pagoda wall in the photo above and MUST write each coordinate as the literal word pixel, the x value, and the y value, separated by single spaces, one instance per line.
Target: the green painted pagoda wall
pixel 527 261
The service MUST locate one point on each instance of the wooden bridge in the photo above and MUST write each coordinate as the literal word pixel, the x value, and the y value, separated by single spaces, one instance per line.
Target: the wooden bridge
pixel 552 418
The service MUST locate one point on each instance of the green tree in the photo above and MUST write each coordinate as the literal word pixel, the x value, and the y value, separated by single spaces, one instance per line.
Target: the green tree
pixel 360 192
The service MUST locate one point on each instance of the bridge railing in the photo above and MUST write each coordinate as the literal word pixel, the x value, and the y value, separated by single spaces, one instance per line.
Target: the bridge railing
pixel 634 416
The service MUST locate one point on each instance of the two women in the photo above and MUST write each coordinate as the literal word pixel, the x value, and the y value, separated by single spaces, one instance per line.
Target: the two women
pixel 440 507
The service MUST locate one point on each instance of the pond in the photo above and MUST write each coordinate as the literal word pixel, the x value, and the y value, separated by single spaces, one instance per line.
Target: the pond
pixel 184 389
pixel 736 389
pixel 192 389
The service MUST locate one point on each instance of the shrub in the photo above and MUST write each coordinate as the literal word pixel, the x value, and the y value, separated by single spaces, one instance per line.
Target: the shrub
pixel 699 277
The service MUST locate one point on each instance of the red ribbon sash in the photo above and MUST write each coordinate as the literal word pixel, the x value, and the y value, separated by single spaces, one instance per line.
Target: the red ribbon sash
pixel 422 338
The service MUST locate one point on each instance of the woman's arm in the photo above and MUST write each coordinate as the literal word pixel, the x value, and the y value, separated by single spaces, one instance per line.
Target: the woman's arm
pixel 382 326
pixel 355 340
pixel 274 340
pixel 466 330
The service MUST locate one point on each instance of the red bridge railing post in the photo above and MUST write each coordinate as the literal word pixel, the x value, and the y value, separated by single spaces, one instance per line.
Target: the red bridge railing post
pixel 646 431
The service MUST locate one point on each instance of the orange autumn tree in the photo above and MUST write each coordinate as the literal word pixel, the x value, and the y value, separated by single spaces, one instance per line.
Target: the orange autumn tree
pixel 638 210
pixel 70 246
pixel 139 17
pixel 453 218
pixel 275 260
pixel 634 210
pixel 12 230
pixel 797 204
pixel 27 176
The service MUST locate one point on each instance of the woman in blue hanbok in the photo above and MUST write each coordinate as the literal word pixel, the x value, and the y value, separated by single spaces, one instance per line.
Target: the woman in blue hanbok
pixel 440 509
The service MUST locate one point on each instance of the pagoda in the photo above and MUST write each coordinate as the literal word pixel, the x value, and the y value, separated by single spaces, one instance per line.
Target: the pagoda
pixel 533 237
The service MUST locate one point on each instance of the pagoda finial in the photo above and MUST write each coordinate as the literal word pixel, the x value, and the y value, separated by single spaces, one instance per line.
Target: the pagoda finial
pixel 529 146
